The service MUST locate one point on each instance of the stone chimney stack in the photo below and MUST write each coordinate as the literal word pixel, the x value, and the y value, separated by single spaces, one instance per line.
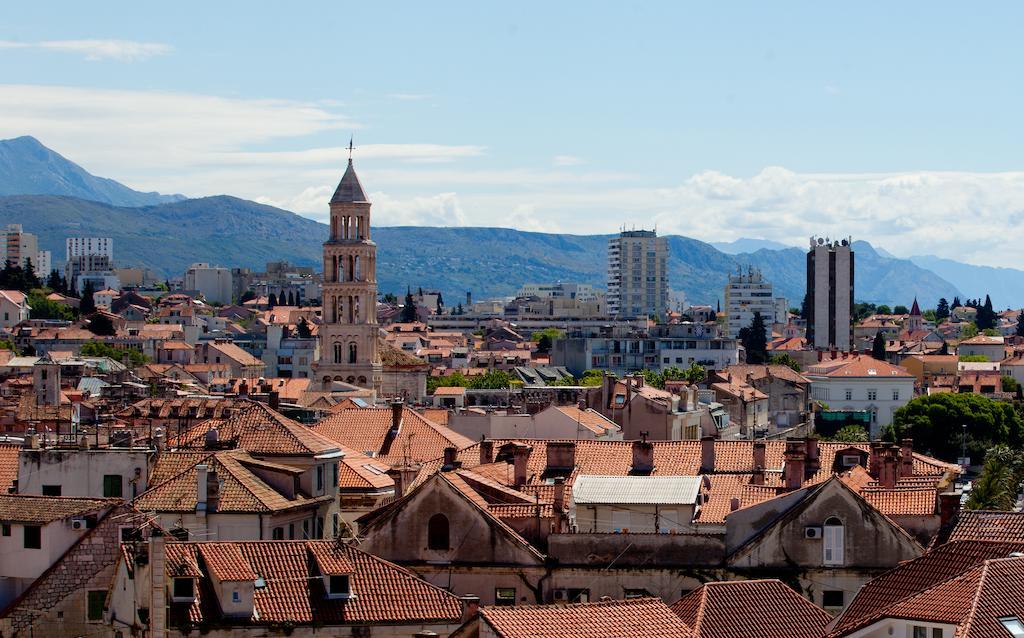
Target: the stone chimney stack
pixel 906 458
pixel 875 458
pixel 760 449
pixel 470 606
pixel 450 462
pixel 202 487
pixel 520 457
pixel 707 454
pixel 813 456
pixel 643 456
pixel 888 470
pixel 949 507
pixel 274 400
pixel 396 416
pixel 795 464
pixel 486 452
pixel 561 456
pixel 558 501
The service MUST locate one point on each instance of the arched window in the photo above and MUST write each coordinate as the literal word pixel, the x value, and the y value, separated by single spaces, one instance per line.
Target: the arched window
pixel 437 532
pixel 352 352
pixel 337 353
pixel 833 542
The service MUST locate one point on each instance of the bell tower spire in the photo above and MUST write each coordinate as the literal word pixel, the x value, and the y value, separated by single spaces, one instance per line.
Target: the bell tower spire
pixel 349 350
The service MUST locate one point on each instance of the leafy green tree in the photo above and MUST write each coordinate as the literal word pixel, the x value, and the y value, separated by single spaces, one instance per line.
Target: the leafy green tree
pixel 755 340
pixel 878 346
pixel 942 309
pixel 969 330
pixel 592 377
pixel 1009 384
pixel 408 308
pixel 493 380
pixel 973 358
pixel 695 373
pixel 87 305
pixel 389 298
pixel 248 295
pixel 986 317
pixel 544 344
pixel 996 487
pixel 101 325
pixel 929 315
pixel 564 381
pixel 786 359
pixel 883 310
pixel 863 310
pixel 100 349
pixel 901 310
pixel 551 333
pixel 850 434
pixel 1020 324
pixel 43 308
pixel 936 423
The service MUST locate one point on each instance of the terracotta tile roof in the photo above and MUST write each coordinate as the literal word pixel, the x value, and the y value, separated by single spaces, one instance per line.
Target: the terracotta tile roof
pixel 450 391
pixel 983 340
pixel 22 508
pixel 439 417
pixel 8 465
pixel 902 501
pixel 384 592
pixel 856 366
pixel 367 430
pixel 262 431
pixel 589 418
pixel 762 371
pixel 974 601
pixel 241 490
pixel 236 353
pixel 170 463
pixel 673 458
pixel 616 618
pixel 984 525
pixel 226 563
pixel 742 391
pixel 195 408
pixel 900 583
pixel 360 472
pixel 750 609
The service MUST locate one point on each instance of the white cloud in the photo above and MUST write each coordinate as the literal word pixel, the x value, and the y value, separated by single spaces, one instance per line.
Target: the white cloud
pixel 94 50
pixel 566 160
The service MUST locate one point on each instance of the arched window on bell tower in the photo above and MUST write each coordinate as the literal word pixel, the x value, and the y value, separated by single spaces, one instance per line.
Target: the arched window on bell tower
pixel 337 353
pixel 352 352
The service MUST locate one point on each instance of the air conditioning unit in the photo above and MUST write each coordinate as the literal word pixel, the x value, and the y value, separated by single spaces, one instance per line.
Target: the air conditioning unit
pixel 78 523
pixel 560 595
pixel 812 532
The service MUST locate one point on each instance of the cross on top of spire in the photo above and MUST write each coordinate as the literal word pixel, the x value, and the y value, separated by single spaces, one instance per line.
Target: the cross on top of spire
pixel 350 147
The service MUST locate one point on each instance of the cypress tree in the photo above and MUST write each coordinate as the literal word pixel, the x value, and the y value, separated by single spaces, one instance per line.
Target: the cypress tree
pixel 878 346
pixel 87 305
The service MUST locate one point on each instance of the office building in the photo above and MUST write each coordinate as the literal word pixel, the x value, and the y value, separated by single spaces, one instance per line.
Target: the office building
pixel 22 248
pixel 746 293
pixel 213 283
pixel 830 277
pixel 90 259
pixel 637 274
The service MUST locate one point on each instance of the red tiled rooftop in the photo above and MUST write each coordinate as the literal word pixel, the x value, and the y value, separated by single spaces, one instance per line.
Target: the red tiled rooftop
pixel 641 617
pixel 750 609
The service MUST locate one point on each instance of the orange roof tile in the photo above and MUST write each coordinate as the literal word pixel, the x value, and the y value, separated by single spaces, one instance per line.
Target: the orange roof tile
pixel 616 618
pixel 750 609
pixel 8 465
pixel 22 508
pixel 367 430
pixel 294 593
pixel 988 526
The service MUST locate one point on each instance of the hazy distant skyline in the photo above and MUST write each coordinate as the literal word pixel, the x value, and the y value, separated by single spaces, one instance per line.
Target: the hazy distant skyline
pixel 897 124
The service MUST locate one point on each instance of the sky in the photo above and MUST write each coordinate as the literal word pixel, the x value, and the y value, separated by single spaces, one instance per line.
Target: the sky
pixel 895 123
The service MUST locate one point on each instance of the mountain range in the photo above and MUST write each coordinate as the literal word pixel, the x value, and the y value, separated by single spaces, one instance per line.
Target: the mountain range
pixel 55 198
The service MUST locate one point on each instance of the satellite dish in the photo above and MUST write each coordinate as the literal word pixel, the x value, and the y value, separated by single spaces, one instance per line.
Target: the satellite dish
pixel 821 242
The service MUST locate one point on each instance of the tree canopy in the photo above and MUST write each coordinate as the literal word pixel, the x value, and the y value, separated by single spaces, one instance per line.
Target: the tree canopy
pixel 408 308
pixel 755 340
pixel 878 346
pixel 936 423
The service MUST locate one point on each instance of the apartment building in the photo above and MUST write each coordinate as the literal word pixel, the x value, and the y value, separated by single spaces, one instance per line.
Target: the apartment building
pixel 748 293
pixel 830 270
pixel 637 274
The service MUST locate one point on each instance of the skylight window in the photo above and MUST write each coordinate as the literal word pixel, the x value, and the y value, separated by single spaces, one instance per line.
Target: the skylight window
pixel 1014 626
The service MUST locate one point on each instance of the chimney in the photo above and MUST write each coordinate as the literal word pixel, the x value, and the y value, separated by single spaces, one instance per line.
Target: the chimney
pixel 520 456
pixel 734 504
pixel 449 459
pixel 643 456
pixel 558 503
pixel 906 458
pixel 707 454
pixel 887 473
pixel 212 491
pixel 396 416
pixel 158 585
pixel 274 400
pixel 759 463
pixel 795 458
pixel 486 452
pixel 561 456
pixel 608 387
pixel 470 607
pixel 202 485
pixel 243 389
pixel 949 507
pixel 396 476
pixel 875 458
pixel 813 456
pixel 821 355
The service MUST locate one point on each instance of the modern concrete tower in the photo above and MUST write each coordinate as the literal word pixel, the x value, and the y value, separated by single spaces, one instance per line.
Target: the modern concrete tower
pixel 830 269
pixel 348 336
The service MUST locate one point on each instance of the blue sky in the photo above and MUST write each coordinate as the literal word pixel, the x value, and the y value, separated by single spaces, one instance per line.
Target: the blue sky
pixel 896 124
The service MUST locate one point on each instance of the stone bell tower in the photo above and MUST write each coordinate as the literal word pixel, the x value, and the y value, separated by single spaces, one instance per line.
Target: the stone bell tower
pixel 349 332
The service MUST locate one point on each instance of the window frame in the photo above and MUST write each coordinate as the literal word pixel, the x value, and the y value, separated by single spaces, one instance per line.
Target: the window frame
pixel 92 598
pixel 504 596
pixel 38 536
pixel 108 481
pixel 435 533
pixel 833 546
pixel 176 596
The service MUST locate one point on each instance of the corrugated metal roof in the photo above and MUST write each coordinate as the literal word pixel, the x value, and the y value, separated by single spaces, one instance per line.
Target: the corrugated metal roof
pixel 636 490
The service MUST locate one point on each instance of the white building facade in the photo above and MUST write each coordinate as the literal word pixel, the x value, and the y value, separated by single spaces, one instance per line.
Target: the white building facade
pixel 637 274
pixel 748 293
pixel 859 382
pixel 213 282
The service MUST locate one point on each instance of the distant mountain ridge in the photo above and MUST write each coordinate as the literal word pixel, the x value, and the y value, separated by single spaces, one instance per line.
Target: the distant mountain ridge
pixel 29 168
pixel 168 233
